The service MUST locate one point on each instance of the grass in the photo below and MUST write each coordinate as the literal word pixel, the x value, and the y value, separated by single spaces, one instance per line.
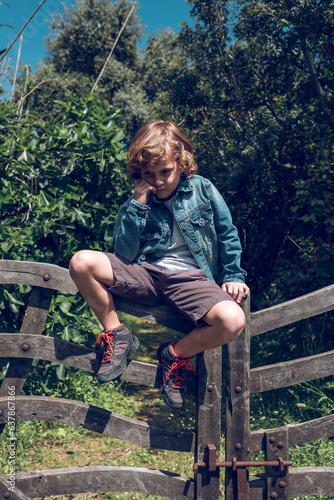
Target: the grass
pixel 49 445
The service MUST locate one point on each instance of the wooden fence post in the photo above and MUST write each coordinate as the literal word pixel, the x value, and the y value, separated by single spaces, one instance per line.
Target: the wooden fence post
pixel 208 424
pixel 237 434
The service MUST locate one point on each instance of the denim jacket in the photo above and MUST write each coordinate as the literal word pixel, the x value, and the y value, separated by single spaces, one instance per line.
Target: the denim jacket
pixel 143 232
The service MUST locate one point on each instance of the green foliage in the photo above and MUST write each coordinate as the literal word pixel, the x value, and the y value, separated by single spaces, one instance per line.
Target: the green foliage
pixel 65 177
pixel 82 37
pixel 79 42
pixel 62 182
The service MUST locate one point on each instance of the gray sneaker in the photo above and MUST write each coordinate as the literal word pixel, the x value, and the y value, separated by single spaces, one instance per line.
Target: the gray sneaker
pixel 172 367
pixel 118 345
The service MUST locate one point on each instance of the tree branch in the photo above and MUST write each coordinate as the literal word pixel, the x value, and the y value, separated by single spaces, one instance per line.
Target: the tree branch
pixel 113 48
pixel 21 31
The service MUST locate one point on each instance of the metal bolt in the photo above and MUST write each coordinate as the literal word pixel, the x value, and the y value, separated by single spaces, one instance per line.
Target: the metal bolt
pixel 272 439
pixel 282 484
pixel 6 495
pixel 238 389
pixel 273 495
pixel 46 277
pixel 210 388
pixel 280 445
pixel 25 347
pixel 238 446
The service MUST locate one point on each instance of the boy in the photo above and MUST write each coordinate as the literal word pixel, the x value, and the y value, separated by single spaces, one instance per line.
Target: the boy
pixel 174 244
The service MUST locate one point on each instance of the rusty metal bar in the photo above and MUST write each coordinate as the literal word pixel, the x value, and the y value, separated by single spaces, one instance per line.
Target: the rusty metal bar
pixel 235 465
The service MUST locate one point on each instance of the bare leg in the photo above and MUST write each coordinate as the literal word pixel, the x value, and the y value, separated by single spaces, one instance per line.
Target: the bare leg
pixel 92 272
pixel 225 321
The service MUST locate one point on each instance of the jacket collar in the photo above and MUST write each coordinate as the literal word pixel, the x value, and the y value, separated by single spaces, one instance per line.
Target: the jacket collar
pixel 185 184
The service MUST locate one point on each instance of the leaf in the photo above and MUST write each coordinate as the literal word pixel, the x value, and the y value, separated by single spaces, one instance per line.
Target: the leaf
pixel 13 298
pixel 61 371
pixel 67 105
pixel 6 246
pixel 66 334
pixel 23 156
pixel 118 136
pixel 79 339
pixel 81 216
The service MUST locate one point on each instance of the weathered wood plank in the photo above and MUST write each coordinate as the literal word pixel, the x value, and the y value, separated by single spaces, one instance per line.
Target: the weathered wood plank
pixel 306 432
pixel 17 345
pixel 237 406
pixel 266 378
pixel 33 323
pixel 92 418
pixel 294 310
pixel 208 420
pixel 36 274
pixel 12 494
pixel 102 479
pixel 80 357
pixel 311 481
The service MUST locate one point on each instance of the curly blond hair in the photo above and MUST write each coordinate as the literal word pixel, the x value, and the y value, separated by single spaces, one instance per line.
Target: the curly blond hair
pixel 153 145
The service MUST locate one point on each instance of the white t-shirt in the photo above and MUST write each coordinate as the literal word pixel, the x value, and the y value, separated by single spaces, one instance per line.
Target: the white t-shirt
pixel 178 256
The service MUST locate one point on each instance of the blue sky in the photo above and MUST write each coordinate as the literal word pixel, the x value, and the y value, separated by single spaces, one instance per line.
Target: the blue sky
pixel 155 14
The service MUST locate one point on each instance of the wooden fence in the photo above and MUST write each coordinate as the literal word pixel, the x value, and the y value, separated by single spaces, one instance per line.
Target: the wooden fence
pixel 279 480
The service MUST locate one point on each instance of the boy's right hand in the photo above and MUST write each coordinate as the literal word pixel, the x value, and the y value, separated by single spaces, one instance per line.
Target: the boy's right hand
pixel 142 191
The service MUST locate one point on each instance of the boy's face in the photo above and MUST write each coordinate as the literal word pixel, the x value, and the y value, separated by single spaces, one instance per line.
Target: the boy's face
pixel 164 178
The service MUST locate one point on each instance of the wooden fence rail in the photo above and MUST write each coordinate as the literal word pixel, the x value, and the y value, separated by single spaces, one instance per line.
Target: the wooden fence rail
pixel 203 441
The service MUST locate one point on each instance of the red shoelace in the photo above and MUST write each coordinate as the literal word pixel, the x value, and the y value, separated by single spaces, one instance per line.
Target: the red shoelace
pixel 106 337
pixel 178 377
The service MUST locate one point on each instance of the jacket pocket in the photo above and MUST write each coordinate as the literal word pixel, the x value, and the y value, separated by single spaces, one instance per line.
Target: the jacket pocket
pixel 202 216
pixel 151 233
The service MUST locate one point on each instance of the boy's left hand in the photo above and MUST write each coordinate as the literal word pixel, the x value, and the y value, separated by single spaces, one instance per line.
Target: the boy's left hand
pixel 238 291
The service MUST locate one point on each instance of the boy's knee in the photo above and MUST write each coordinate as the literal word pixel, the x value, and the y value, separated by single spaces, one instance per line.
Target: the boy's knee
pixel 239 325
pixel 232 321
pixel 80 263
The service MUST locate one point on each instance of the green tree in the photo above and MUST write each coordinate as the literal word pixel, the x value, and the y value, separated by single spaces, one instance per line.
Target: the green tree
pixel 258 104
pixel 79 42
pixel 164 61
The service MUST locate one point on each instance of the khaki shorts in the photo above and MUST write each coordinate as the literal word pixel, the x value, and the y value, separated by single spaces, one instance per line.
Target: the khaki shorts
pixel 189 291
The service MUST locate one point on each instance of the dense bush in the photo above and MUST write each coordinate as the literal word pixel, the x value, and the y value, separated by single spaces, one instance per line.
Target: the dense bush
pixel 61 185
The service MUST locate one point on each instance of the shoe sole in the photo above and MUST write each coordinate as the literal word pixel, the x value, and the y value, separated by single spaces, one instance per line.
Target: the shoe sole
pixel 169 402
pixel 108 377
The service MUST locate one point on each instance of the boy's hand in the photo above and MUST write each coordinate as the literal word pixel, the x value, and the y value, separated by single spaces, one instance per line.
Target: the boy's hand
pixel 142 191
pixel 238 291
